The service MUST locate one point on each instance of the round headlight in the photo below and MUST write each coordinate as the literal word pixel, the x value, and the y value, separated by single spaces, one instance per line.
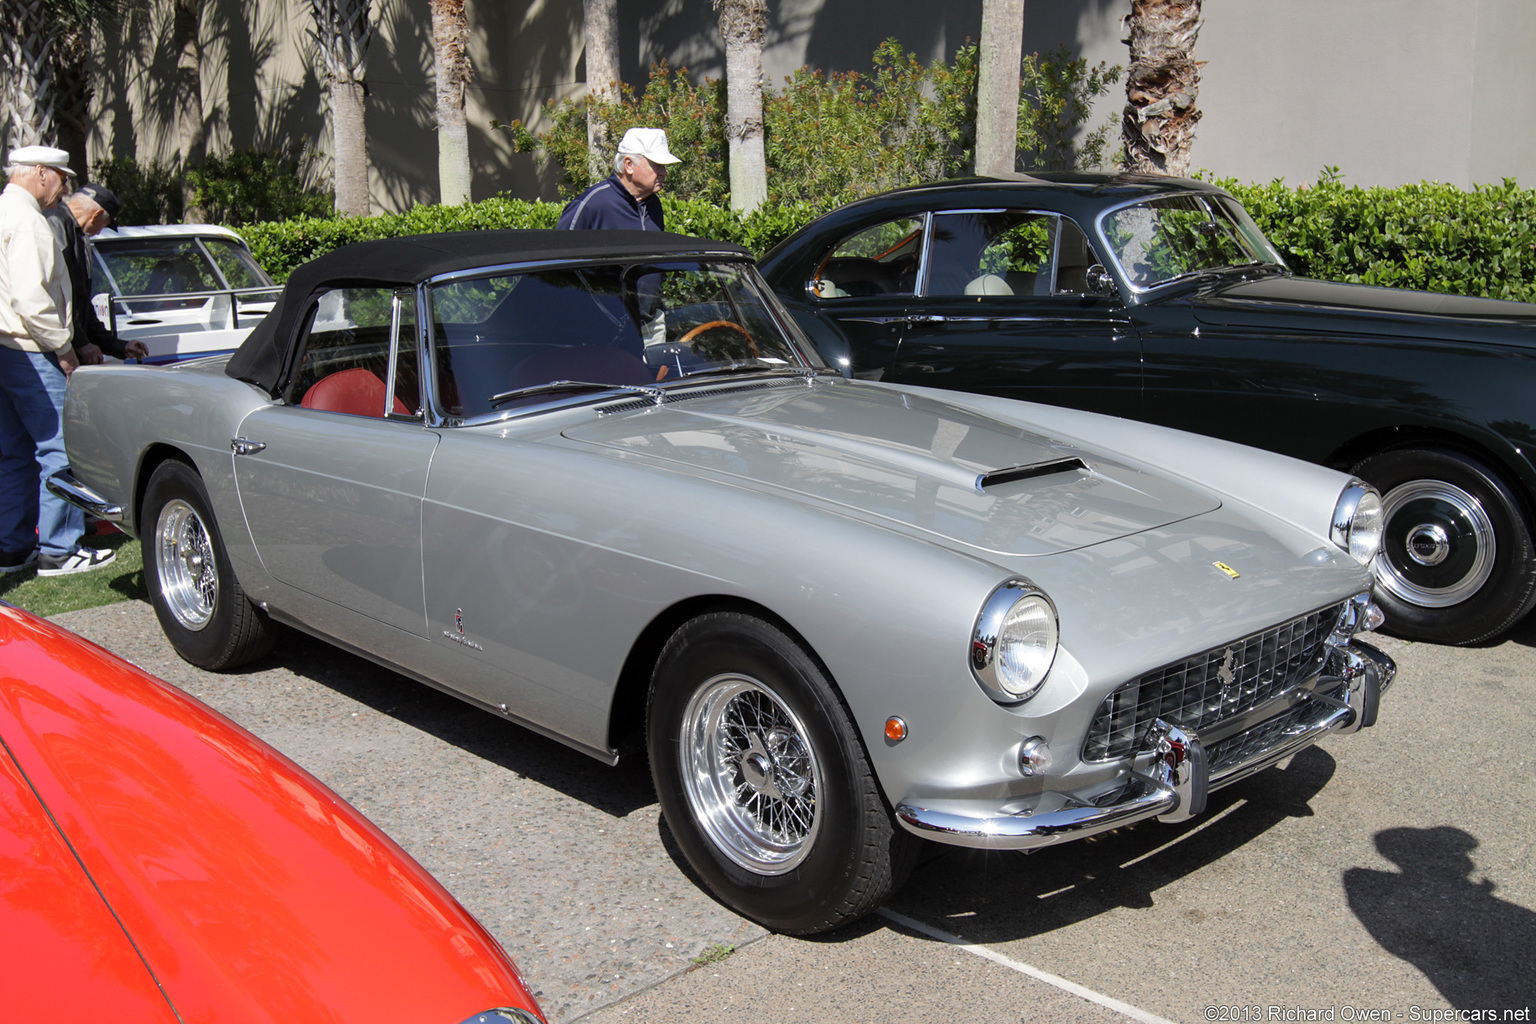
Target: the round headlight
pixel 1358 521
pixel 1014 642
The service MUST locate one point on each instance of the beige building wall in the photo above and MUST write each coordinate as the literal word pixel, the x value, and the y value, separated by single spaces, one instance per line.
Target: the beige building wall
pixel 1389 91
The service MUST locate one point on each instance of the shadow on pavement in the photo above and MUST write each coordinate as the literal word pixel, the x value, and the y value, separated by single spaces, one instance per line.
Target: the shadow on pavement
pixel 993 897
pixel 618 791
pixel 1478 950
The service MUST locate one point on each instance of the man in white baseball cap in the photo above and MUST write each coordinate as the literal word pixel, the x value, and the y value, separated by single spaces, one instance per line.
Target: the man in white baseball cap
pixel 36 357
pixel 627 198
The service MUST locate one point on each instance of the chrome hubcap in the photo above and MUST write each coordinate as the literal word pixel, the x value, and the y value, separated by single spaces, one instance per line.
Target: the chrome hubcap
pixel 1439 544
pixel 189 579
pixel 749 774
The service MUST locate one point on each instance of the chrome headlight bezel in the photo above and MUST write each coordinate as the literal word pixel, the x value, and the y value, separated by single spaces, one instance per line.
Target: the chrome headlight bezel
pixel 1014 641
pixel 1358 523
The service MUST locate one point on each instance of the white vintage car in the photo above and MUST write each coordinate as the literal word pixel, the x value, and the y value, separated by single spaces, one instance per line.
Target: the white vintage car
pixel 184 290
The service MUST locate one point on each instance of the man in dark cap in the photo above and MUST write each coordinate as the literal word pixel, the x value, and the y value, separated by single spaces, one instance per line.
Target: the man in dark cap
pixel 82 215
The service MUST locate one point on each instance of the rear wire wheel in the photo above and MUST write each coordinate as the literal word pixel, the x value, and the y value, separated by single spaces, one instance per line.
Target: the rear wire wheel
pixel 201 606
pixel 763 779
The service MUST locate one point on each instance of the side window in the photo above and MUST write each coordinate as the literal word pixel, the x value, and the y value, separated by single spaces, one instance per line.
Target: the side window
pixel 345 353
pixel 1074 256
pixel 992 252
pixel 878 260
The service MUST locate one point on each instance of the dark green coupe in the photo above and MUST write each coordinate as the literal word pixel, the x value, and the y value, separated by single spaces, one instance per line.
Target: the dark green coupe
pixel 1159 299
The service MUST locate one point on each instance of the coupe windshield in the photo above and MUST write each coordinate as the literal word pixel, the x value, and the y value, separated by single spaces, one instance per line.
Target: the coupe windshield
pixel 1180 236
pixel 512 338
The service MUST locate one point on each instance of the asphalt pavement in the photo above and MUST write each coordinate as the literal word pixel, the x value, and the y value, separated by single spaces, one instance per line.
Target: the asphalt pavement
pixel 1386 875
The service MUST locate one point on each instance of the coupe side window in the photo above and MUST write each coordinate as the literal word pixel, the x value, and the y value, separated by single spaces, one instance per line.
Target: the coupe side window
pixel 878 260
pixel 1006 252
pixel 345 360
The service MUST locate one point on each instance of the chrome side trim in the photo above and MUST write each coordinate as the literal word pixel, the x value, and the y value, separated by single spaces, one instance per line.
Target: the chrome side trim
pixel 65 486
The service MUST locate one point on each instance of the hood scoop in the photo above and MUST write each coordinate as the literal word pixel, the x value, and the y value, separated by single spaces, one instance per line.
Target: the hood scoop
pixel 1014 473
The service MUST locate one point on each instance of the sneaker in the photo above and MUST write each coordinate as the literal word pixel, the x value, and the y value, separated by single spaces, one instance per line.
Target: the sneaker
pixel 17 561
pixel 81 559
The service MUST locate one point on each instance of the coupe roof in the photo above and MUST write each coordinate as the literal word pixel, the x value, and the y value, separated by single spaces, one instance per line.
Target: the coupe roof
pixel 410 260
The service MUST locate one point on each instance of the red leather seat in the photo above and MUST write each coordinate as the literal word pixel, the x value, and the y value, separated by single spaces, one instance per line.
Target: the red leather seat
pixel 356 392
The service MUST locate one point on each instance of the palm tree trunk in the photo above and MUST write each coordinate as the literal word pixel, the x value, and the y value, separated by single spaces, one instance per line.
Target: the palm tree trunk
pixel 191 130
pixel 451 71
pixel 997 86
pixel 349 140
pixel 342 33
pixel 26 80
pixel 1161 86
pixel 743 24
pixel 600 26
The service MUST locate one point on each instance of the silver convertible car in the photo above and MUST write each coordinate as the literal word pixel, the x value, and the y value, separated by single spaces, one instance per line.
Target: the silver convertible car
pixel 598 484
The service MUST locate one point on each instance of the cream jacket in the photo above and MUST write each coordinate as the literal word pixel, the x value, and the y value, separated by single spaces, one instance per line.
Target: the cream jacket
pixel 34 282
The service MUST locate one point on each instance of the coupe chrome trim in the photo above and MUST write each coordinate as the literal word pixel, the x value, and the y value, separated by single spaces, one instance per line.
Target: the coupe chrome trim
pixel 242 446
pixel 65 486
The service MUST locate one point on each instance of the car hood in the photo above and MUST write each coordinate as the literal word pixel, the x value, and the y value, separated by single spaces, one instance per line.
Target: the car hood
pixel 920 464
pixel 1337 307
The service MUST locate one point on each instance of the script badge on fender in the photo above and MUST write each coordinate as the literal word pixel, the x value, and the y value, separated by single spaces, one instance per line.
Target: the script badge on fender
pixel 1224 567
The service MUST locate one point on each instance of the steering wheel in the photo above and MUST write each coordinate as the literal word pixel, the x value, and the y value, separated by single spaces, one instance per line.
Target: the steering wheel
pixel 710 325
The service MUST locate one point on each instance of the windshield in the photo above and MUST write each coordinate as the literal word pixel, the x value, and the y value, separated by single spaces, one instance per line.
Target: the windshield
pixel 1173 237
pixel 514 338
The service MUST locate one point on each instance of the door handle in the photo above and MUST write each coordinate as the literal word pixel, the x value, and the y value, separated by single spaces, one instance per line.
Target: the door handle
pixel 240 446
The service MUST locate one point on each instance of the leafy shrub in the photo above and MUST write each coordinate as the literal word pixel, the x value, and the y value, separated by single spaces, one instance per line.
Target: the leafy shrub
pixel 1431 236
pixel 250 185
pixel 831 138
pixel 150 192
pixel 244 187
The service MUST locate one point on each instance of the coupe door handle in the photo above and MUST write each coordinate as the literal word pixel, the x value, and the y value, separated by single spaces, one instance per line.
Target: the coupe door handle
pixel 240 446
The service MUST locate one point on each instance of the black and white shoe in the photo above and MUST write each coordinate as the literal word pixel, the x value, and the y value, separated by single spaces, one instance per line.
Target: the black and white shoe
pixel 82 559
pixel 17 561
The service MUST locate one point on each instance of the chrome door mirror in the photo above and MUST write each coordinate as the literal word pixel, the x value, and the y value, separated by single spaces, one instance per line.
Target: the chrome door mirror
pixel 1100 282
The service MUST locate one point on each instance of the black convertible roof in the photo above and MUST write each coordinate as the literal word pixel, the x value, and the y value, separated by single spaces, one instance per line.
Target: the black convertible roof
pixel 400 262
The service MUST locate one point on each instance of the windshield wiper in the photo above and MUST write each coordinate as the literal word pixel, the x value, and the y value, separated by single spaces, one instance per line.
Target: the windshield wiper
pixel 557 386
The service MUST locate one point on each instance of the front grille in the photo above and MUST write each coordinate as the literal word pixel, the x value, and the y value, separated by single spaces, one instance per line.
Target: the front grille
pixel 1201 692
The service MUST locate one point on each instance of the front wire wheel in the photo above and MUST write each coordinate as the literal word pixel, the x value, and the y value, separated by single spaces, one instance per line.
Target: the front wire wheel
pixel 763 779
pixel 749 774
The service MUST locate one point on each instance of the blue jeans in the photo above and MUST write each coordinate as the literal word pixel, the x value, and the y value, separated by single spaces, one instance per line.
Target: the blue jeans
pixel 31 448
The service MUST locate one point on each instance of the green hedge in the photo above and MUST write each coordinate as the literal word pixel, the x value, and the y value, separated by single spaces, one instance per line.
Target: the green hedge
pixel 281 246
pixel 1429 236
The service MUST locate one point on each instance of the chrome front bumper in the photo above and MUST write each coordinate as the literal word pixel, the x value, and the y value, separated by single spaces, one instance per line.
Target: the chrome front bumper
pixel 1172 775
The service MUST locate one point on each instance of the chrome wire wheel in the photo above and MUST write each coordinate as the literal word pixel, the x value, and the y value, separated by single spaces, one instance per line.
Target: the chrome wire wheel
pixel 750 774
pixel 184 561
pixel 1439 546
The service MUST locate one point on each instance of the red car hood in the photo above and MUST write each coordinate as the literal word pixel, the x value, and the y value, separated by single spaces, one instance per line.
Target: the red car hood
pixel 251 892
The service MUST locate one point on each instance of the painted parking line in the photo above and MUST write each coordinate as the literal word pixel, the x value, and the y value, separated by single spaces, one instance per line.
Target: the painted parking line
pixel 1126 1009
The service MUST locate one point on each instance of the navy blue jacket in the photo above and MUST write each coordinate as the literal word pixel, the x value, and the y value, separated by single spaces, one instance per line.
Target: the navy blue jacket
pixel 608 205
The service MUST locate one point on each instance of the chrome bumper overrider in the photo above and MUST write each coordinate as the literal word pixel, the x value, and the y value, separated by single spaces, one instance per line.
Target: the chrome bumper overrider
pixel 71 490
pixel 1172 774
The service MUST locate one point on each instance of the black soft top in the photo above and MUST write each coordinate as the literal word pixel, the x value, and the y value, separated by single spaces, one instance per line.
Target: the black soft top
pixel 401 262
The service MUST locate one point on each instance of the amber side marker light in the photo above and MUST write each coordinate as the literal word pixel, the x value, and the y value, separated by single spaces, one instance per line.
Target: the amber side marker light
pixel 895 729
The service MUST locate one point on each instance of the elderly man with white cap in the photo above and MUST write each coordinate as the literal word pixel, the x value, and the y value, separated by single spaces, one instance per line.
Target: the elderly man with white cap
pixel 36 357
pixel 626 199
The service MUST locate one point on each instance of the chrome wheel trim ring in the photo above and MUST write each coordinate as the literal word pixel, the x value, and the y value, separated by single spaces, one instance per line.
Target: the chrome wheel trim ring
pixel 1447 505
pixel 189 579
pixel 750 775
